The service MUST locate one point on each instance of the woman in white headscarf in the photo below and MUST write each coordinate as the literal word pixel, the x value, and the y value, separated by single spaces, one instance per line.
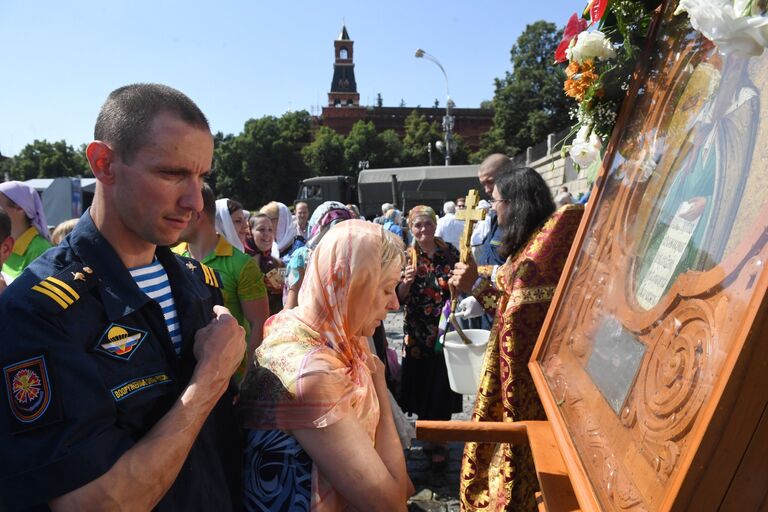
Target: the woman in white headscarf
pixel 225 208
pixel 285 233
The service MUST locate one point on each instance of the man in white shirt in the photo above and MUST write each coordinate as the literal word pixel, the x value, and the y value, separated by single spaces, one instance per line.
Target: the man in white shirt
pixel 449 228
pixel 301 219
pixel 482 228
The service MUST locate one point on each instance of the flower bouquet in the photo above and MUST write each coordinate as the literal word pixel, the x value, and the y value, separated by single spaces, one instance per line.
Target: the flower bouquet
pixel 601 47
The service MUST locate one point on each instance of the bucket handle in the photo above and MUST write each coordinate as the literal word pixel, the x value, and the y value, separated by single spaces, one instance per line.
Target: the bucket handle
pixel 452 318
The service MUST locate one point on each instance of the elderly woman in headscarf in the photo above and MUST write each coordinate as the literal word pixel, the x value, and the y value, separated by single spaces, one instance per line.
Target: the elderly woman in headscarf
pixel 423 290
pixel 321 434
pixel 323 218
pixel 29 228
pixel 286 239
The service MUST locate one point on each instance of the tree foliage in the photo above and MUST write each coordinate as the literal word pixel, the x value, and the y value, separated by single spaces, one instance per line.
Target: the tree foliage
pixel 325 155
pixel 43 159
pixel 529 102
pixel 364 144
pixel 419 133
pixel 264 162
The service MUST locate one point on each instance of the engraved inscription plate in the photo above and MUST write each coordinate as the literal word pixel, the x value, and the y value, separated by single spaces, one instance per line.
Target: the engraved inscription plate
pixel 667 258
pixel 614 361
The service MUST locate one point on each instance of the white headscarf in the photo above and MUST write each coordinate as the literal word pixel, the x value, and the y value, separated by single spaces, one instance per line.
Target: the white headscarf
pixel 286 233
pixel 225 226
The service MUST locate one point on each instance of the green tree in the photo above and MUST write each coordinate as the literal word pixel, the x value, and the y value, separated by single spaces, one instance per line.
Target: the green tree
pixel 43 159
pixel 529 102
pixel 362 144
pixel 263 163
pixel 418 134
pixel 461 153
pixel 325 155
pixel 391 149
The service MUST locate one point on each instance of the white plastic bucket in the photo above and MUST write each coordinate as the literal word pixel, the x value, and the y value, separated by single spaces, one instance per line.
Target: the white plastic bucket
pixel 464 361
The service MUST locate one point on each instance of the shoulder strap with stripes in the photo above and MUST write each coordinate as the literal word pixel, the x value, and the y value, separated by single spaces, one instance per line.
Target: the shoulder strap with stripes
pixel 60 291
pixel 206 273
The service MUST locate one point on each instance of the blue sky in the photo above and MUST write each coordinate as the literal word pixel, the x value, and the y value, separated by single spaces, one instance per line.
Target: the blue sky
pixel 244 59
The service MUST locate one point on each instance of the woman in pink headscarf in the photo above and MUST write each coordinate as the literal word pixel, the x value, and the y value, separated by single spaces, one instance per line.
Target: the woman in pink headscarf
pixel 321 431
pixel 28 225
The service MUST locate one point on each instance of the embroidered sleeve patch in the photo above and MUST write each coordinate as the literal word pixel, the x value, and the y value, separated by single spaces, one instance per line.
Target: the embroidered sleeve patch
pixel 129 388
pixel 28 387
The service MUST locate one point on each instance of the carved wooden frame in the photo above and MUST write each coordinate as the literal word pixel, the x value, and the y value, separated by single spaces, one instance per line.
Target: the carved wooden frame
pixel 702 352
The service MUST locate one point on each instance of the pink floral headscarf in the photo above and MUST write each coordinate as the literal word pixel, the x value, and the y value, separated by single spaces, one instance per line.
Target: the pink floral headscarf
pixel 311 368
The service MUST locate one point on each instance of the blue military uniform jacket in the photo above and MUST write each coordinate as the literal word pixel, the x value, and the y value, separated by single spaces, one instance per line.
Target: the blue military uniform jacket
pixel 89 368
pixel 487 253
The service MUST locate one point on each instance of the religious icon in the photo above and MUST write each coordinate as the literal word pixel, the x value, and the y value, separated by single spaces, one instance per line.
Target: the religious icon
pixel 707 153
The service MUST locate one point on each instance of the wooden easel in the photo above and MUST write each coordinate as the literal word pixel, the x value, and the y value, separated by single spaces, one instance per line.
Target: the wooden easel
pixel 556 490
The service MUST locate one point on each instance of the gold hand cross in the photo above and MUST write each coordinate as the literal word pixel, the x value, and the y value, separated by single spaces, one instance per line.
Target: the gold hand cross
pixel 469 215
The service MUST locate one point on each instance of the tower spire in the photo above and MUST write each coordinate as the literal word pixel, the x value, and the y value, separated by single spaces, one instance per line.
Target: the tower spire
pixel 343 85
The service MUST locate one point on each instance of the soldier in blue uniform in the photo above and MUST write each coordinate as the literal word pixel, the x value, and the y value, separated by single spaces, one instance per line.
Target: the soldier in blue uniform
pixel 486 254
pixel 116 360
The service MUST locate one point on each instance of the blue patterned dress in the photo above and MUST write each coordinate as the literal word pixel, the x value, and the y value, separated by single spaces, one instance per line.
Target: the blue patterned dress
pixel 277 473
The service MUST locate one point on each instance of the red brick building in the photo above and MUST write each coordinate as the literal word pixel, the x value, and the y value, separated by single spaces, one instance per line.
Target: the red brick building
pixel 344 108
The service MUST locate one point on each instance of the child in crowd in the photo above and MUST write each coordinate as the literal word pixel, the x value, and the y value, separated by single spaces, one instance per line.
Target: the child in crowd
pixel 62 230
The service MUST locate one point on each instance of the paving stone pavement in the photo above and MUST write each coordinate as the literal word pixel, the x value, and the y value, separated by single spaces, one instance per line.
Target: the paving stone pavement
pixel 435 491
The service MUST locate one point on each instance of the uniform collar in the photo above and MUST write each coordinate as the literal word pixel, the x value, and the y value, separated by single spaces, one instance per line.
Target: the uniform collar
pixel 119 292
pixel 21 243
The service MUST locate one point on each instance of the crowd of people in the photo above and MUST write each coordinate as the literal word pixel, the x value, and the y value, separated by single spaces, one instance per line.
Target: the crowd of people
pixel 171 350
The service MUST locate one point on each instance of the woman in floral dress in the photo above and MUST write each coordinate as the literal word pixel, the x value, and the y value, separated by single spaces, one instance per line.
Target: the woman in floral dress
pixel 423 290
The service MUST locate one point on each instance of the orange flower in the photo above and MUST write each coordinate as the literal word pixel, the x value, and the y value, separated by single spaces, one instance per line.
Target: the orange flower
pixel 580 79
pixel 572 69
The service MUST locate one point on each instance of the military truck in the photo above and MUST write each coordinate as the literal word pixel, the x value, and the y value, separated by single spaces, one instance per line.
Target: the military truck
pixel 404 187
pixel 315 191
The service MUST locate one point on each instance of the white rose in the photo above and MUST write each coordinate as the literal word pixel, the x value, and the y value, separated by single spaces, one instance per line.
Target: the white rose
pixel 590 45
pixel 585 149
pixel 724 23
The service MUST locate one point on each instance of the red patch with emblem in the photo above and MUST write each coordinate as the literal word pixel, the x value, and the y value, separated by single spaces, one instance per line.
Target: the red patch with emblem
pixel 28 388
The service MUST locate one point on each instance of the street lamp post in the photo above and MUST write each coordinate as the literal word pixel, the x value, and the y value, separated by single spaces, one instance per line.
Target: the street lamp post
pixel 448 120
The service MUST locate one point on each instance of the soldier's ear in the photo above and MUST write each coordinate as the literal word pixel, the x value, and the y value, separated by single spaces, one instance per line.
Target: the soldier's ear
pixel 101 159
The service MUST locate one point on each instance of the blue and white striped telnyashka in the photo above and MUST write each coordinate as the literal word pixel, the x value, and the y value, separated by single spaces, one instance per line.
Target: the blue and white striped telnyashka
pixel 153 281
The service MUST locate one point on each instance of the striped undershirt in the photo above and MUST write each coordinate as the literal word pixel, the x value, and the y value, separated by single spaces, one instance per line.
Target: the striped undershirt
pixel 153 281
